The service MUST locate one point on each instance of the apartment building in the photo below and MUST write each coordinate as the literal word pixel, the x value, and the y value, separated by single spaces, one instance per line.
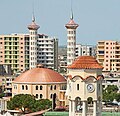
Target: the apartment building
pixel 85 50
pixel 108 55
pixel 6 79
pixel 48 51
pixel 14 51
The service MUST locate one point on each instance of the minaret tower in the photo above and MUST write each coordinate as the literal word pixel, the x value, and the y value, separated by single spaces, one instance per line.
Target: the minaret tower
pixel 71 40
pixel 33 27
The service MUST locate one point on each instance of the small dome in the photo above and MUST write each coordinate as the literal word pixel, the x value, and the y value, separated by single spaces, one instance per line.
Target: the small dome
pixel 85 62
pixel 33 26
pixel 40 75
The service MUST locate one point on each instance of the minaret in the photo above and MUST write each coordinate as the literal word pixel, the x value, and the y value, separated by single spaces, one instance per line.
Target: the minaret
pixel 71 40
pixel 33 27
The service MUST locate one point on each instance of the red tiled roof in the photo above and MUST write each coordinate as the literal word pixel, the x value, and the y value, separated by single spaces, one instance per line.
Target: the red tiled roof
pixel 40 75
pixel 85 62
pixel 71 24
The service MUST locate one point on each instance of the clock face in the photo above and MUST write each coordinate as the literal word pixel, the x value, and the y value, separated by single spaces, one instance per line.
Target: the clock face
pixel 90 88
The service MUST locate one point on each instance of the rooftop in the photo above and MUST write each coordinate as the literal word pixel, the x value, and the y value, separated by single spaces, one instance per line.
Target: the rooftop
pixel 85 62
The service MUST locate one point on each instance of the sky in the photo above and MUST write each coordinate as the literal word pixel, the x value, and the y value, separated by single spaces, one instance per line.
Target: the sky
pixel 97 19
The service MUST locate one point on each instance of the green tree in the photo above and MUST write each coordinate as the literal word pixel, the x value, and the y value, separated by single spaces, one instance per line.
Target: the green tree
pixel 28 103
pixel 118 97
pixel 21 101
pixel 110 93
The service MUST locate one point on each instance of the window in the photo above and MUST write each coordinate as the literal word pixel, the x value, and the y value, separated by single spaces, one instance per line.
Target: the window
pixel 106 43
pixel 51 87
pixel 51 96
pixel 26 87
pixel 36 87
pixel 55 87
pixel 41 87
pixel 22 87
pixel 36 95
pixel 41 95
pixel 77 86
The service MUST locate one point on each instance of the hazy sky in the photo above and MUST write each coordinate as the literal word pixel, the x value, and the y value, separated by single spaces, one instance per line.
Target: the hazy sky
pixel 97 19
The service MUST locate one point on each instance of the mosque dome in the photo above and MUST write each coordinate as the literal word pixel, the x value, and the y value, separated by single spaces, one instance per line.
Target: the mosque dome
pixel 40 75
pixel 85 62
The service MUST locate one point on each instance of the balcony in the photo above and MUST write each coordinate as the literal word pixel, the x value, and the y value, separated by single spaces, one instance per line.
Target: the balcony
pixel 101 43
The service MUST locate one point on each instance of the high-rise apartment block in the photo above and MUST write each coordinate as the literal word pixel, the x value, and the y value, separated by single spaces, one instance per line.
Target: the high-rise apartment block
pixel 85 50
pixel 108 55
pixel 25 51
pixel 48 51
pixel 14 51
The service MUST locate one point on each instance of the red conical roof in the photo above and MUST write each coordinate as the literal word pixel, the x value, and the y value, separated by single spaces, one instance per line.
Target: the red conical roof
pixel 85 62
pixel 71 24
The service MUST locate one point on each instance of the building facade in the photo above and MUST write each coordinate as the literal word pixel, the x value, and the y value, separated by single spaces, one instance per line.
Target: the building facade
pixel 84 83
pixel 41 82
pixel 48 51
pixel 108 55
pixel 85 50
pixel 14 51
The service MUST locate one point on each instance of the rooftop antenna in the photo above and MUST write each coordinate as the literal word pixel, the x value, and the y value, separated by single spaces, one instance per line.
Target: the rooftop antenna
pixel 71 11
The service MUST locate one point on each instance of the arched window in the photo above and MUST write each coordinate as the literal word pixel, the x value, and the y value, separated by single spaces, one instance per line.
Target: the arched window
pixel 41 96
pixel 26 87
pixel 78 104
pixel 22 87
pixel 51 96
pixel 36 87
pixel 36 95
pixel 55 87
pixel 51 87
pixel 41 87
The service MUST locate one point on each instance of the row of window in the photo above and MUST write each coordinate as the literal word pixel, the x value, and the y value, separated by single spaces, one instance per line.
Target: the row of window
pixel 71 32
pixel 25 87
pixel 41 96
pixel 45 40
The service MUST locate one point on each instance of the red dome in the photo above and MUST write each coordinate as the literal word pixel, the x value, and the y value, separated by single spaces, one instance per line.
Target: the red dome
pixel 40 75
pixel 85 62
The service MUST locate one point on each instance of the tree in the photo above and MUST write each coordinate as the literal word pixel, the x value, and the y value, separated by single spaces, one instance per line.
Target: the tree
pixel 28 103
pixel 21 101
pixel 110 93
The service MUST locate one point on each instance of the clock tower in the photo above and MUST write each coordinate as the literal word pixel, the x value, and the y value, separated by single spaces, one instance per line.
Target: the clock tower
pixel 84 87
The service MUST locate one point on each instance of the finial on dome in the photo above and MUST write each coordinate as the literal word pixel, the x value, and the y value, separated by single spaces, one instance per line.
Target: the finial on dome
pixel 40 66
pixel 33 18
pixel 71 15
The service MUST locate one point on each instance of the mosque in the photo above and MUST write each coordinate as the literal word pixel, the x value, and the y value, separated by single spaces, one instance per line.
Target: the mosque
pixel 82 87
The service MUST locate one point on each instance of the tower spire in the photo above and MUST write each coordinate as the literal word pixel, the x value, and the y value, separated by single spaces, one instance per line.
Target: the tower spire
pixel 71 11
pixel 33 16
